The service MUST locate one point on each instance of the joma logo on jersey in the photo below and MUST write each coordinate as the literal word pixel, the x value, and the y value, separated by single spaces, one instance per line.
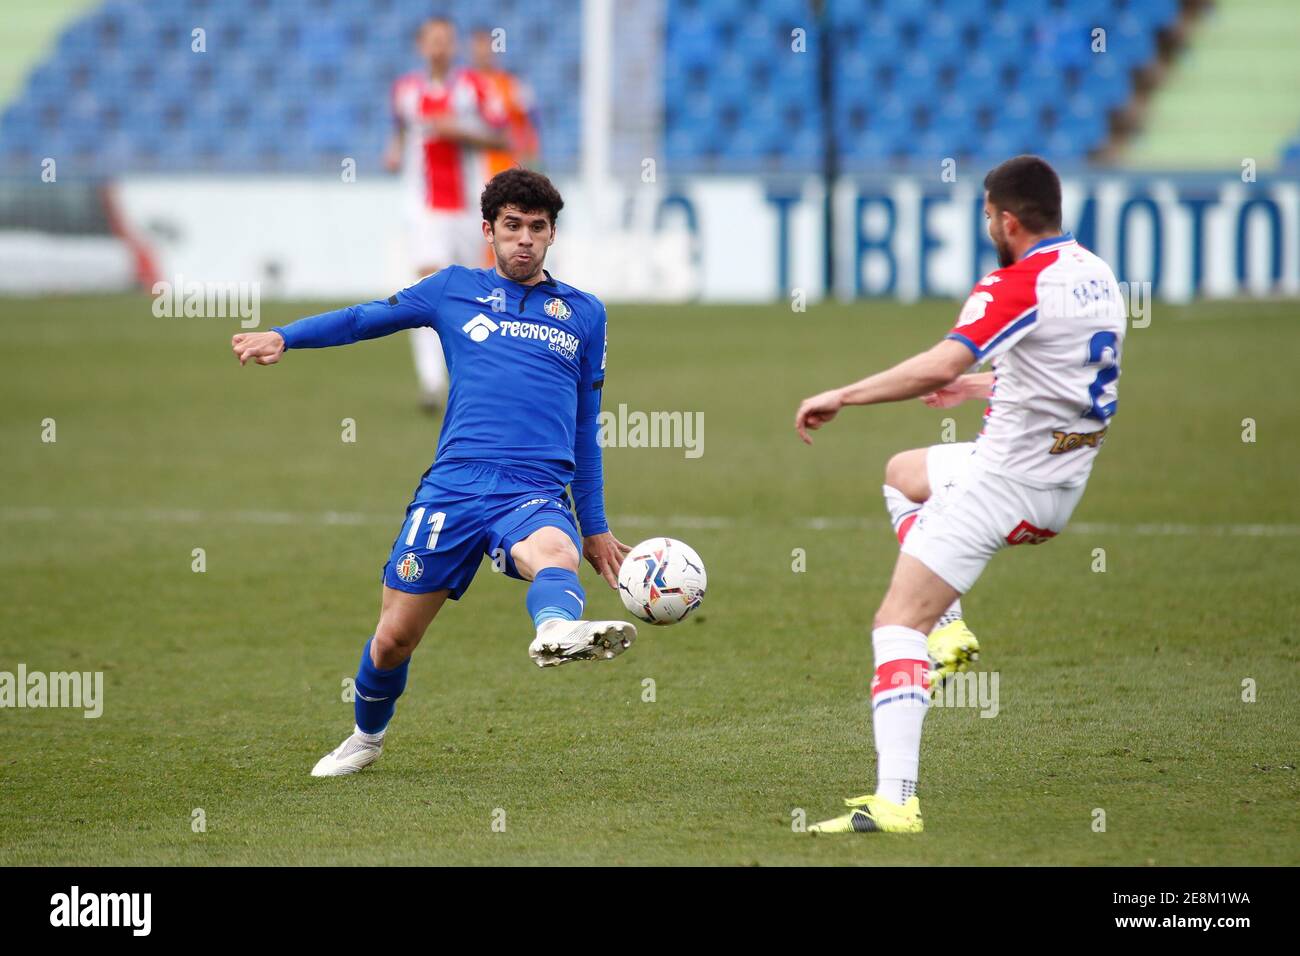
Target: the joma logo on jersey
pixel 479 327
pixel 1069 441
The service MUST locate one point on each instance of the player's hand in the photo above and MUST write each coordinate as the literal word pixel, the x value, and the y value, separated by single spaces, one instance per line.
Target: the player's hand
pixel 265 348
pixel 442 127
pixel 605 553
pixel 950 396
pixel 815 412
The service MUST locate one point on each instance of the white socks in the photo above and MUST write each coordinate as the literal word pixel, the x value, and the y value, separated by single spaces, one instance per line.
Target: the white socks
pixel 369 738
pixel 900 508
pixel 900 697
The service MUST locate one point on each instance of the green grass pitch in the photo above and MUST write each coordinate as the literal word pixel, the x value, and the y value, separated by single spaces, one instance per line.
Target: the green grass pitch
pixel 1120 691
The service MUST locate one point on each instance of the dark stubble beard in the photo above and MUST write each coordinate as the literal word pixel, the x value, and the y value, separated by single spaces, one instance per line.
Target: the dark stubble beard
pixel 1005 256
pixel 523 275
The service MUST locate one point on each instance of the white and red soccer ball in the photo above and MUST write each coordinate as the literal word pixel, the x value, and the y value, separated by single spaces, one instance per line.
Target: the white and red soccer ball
pixel 662 580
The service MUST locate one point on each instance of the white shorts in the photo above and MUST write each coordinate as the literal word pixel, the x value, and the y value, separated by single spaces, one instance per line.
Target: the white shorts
pixel 436 239
pixel 979 513
pixel 945 462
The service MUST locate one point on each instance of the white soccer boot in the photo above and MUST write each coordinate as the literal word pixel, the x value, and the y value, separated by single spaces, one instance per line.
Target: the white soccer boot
pixel 559 641
pixel 355 753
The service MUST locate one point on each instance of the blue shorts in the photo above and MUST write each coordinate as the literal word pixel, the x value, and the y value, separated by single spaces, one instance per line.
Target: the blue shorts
pixel 463 510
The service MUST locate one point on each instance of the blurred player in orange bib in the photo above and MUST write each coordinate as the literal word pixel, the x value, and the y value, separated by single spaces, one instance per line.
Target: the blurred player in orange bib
pixel 446 119
pixel 516 99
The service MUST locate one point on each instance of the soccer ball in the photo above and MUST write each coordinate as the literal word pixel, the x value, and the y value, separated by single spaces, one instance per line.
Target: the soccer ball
pixel 662 580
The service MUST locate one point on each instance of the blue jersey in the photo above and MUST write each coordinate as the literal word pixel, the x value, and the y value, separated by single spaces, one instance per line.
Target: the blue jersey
pixel 526 363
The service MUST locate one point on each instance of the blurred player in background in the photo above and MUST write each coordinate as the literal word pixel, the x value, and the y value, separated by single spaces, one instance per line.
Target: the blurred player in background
pixel 1052 320
pixel 446 120
pixel 516 99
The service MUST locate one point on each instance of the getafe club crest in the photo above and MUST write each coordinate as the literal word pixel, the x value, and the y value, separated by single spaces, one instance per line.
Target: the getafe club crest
pixel 409 567
pixel 557 309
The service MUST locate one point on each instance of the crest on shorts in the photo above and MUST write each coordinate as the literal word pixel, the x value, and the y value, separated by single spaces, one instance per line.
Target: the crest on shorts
pixel 409 567
pixel 557 308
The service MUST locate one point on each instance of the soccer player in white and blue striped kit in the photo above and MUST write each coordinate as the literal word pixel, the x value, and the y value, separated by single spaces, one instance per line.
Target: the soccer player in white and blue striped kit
pixel 526 355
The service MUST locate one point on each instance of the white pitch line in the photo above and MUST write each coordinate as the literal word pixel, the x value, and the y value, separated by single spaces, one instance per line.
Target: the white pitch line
pixel 196 516
pixel 665 522
pixel 1188 530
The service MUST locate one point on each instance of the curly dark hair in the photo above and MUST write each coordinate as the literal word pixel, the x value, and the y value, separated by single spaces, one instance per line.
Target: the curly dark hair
pixel 526 190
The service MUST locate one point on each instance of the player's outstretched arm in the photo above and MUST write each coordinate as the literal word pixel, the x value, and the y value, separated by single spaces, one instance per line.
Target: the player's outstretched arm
pixel 414 306
pixel 912 378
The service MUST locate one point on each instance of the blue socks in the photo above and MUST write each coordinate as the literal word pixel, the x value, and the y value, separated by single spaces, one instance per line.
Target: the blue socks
pixel 555 594
pixel 382 688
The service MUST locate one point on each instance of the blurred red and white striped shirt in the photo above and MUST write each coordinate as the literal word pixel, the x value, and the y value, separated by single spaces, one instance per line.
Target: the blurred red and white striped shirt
pixel 437 173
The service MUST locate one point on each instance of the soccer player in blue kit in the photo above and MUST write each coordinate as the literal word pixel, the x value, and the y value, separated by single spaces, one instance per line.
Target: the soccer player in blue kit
pixel 526 355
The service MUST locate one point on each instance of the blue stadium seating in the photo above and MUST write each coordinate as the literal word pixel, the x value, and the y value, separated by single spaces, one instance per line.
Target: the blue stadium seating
pixel 297 84
pixel 284 84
